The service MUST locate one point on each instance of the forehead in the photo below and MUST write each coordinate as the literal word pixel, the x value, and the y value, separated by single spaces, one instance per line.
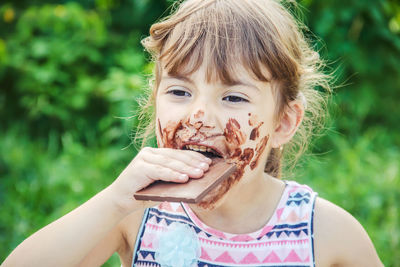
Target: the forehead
pixel 224 50
pixel 236 74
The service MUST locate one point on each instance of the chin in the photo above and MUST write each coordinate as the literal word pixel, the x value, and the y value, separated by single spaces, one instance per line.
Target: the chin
pixel 217 196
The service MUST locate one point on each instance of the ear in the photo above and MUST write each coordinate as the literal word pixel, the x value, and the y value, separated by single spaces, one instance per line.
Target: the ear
pixel 288 124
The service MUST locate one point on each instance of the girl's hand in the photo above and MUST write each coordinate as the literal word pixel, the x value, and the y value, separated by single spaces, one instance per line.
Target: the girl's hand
pixel 152 164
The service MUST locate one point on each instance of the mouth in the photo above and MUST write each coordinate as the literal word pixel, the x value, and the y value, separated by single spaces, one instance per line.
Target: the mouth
pixel 207 151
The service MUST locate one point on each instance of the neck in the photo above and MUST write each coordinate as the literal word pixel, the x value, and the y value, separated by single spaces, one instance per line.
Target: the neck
pixel 253 197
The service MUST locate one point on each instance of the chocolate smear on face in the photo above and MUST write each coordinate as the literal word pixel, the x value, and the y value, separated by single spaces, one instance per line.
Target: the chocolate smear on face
pixel 255 133
pixel 253 119
pixel 168 134
pixel 198 125
pixel 237 153
pixel 246 156
pixel 175 134
pixel 195 132
pixel 242 160
pixel 232 132
pixel 259 150
pixel 199 114
pixel 234 137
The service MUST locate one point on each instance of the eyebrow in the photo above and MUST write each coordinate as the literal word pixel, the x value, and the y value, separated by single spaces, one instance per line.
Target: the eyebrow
pixel 178 77
pixel 242 83
pixel 234 83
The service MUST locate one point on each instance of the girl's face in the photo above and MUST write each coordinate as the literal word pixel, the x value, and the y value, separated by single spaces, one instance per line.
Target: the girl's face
pixel 234 121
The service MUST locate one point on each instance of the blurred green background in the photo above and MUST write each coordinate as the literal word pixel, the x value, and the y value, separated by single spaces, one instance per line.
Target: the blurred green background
pixel 71 72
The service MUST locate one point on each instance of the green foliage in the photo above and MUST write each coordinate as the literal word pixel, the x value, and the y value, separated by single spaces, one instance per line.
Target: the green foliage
pixel 55 52
pixel 71 72
pixel 362 177
pixel 64 71
pixel 39 184
pixel 358 36
pixel 68 86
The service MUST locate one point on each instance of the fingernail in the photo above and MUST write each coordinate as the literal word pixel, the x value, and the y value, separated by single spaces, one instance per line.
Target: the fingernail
pixel 203 166
pixel 183 177
pixel 198 170
pixel 208 160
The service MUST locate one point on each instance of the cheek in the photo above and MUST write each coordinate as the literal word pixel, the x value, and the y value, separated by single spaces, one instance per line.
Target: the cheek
pixel 259 128
pixel 166 133
pixel 259 152
pixel 168 121
pixel 258 139
pixel 167 109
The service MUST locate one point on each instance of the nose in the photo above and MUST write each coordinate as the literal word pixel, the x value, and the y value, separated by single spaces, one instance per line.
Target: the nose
pixel 197 119
pixel 202 116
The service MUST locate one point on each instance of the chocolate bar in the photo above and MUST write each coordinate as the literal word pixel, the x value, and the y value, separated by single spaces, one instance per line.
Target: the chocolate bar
pixel 193 190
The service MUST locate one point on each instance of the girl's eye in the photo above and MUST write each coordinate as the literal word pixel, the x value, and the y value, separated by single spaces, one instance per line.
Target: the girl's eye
pixel 234 98
pixel 180 93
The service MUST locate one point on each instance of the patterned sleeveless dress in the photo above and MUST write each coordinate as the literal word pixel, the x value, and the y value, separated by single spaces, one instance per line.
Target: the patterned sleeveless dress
pixel 285 240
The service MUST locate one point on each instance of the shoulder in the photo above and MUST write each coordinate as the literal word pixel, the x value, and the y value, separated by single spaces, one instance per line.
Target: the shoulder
pixel 339 238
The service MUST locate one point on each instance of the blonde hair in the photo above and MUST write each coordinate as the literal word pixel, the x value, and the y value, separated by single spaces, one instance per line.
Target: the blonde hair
pixel 260 34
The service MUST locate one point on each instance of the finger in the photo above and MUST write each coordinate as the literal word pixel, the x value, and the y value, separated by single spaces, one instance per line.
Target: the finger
pixel 194 154
pixel 192 158
pixel 176 165
pixel 182 154
pixel 157 172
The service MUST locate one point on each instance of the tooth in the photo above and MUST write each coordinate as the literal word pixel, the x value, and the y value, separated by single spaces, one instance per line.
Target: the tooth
pixel 193 147
pixel 202 148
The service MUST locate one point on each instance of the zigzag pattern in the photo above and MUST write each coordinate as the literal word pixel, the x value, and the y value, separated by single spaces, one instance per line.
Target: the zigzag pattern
pixel 286 240
pixel 169 216
pixel 140 263
pixel 277 256
pixel 298 198
pixel 145 255
pixel 287 233
pixel 165 222
pixel 205 264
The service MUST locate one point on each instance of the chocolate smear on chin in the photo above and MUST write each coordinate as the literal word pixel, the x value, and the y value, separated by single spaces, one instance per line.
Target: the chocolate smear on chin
pixel 241 160
pixel 234 138
pixel 217 193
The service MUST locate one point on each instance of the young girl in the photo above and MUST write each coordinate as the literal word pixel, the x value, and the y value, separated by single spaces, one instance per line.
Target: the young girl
pixel 233 79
